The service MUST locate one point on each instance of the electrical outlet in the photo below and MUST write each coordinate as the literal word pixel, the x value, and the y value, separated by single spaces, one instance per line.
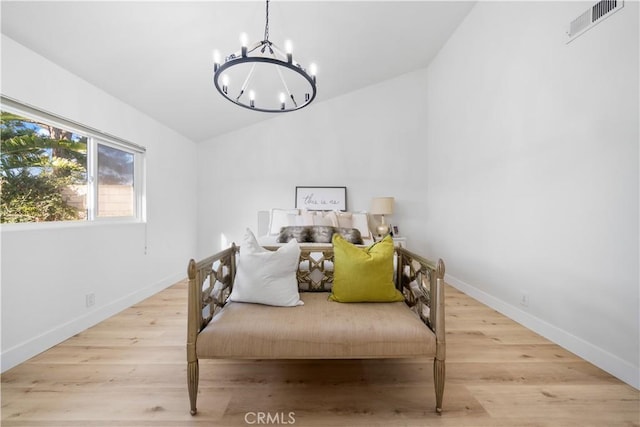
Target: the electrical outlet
pixel 90 299
pixel 524 299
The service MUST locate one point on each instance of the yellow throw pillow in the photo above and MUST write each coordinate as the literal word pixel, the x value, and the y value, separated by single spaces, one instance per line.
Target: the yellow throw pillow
pixel 363 274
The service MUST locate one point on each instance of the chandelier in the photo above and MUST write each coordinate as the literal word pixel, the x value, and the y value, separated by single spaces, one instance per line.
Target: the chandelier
pixel 262 77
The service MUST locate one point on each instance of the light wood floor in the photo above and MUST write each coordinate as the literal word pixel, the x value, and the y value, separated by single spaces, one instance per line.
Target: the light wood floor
pixel 130 370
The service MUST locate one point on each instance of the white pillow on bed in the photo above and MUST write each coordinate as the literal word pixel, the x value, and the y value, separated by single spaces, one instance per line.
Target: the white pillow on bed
pixel 282 218
pixel 322 218
pixel 360 220
pixel 267 277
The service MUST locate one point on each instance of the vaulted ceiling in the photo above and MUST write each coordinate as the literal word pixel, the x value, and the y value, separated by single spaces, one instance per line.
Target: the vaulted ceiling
pixel 157 56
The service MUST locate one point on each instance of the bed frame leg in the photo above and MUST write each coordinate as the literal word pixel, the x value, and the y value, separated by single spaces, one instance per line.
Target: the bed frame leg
pixel 438 381
pixel 193 372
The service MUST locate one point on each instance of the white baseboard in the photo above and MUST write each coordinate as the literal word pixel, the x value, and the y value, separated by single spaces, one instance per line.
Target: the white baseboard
pixel 36 345
pixel 606 361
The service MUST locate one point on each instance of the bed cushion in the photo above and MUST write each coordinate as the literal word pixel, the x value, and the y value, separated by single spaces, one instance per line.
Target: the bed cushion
pixel 363 274
pixel 319 329
pixel 267 277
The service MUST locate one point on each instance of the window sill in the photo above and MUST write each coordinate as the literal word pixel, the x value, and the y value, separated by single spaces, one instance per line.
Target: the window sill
pixel 61 225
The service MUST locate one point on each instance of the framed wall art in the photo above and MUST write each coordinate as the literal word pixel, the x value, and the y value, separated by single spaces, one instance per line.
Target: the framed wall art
pixel 321 198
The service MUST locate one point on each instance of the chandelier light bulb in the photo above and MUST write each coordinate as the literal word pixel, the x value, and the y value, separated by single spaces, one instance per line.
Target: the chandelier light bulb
pixel 216 60
pixel 244 39
pixel 281 101
pixel 252 99
pixel 313 69
pixel 288 47
pixel 225 83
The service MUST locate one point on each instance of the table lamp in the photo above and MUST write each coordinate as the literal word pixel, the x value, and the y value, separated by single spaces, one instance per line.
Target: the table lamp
pixel 382 206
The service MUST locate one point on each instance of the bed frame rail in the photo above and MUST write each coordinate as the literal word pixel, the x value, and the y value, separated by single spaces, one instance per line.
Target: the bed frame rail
pixel 422 283
pixel 210 283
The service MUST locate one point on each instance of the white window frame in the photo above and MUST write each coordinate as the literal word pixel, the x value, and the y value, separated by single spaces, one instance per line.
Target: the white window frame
pixel 94 137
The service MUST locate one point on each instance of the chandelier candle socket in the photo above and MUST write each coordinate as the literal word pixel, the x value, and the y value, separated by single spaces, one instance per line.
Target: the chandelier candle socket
pixel 272 81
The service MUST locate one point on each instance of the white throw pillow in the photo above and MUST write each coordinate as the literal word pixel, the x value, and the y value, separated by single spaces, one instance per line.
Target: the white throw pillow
pixel 345 219
pixel 333 217
pixel 305 217
pixel 282 218
pixel 267 277
pixel 360 220
pixel 322 219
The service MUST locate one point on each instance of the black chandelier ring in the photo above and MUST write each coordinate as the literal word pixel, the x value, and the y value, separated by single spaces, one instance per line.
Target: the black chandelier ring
pixel 295 104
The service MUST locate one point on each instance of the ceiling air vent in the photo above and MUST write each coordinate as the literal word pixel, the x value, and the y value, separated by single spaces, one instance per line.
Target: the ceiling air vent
pixel 593 16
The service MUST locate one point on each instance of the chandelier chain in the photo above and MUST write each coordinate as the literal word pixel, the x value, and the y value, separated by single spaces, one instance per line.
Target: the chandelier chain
pixel 266 24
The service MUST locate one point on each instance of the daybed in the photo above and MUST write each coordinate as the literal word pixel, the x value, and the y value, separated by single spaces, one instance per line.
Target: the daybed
pixel 320 328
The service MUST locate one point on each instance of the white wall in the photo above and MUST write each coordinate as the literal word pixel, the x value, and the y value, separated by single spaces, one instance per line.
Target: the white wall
pixel 372 141
pixel 47 271
pixel 532 173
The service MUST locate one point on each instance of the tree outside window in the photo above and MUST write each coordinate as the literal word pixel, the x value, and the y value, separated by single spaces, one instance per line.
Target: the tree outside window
pixel 43 171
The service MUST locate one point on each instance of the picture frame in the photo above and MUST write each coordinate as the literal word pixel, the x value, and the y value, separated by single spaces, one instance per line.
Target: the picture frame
pixel 321 198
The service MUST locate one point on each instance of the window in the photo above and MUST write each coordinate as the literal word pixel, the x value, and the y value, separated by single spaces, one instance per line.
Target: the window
pixel 52 169
pixel 116 195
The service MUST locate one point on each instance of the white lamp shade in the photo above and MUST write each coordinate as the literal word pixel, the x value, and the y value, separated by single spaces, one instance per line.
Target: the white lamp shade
pixel 382 206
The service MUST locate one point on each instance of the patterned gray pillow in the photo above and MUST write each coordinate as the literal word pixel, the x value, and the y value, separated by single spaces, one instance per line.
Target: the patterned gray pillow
pixel 321 233
pixel 351 235
pixel 298 232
